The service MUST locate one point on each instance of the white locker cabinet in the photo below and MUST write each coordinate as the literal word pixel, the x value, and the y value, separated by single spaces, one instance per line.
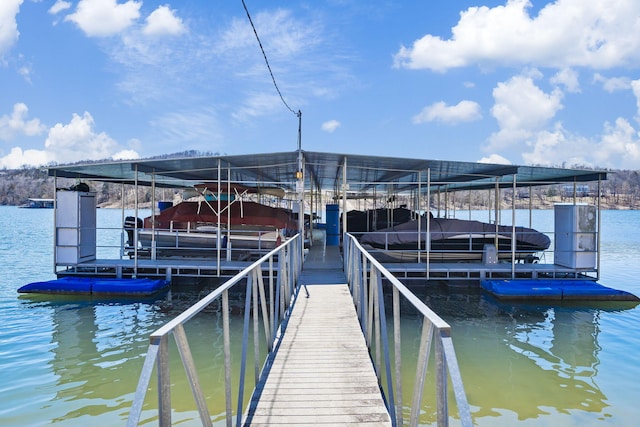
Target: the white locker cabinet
pixel 575 236
pixel 75 227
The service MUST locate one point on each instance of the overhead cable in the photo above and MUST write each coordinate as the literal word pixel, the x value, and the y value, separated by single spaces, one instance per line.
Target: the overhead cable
pixel 267 61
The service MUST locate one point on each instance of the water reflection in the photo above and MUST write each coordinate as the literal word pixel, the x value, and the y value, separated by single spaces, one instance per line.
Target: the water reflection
pixel 98 348
pixel 532 360
pixel 95 356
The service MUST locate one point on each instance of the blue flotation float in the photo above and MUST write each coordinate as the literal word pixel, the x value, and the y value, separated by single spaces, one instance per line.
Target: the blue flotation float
pixel 554 289
pixel 76 285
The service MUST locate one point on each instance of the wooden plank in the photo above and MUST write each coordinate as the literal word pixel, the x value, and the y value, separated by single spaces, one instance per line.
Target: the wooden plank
pixel 322 373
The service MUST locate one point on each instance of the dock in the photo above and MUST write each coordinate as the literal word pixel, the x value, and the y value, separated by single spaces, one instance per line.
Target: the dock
pixel 322 372
pixel 173 268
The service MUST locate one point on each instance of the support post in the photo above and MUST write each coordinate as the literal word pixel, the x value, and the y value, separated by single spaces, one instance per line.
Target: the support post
pixel 135 235
pixel 344 197
pixel 513 229
pixel 598 230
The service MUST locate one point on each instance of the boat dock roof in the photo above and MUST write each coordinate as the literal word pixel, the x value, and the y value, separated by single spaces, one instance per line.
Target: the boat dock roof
pixel 325 171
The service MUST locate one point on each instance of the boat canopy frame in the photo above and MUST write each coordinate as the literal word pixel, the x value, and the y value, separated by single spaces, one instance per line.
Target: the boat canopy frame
pixel 359 174
pixel 347 175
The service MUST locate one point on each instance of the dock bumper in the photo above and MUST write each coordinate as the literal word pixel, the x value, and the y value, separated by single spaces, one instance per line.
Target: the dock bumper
pixel 554 289
pixel 76 285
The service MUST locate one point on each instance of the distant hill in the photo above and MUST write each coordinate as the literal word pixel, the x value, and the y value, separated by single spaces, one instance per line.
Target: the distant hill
pixel 620 191
pixel 18 185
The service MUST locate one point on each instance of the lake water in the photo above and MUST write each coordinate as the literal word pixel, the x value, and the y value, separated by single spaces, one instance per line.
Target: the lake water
pixel 75 361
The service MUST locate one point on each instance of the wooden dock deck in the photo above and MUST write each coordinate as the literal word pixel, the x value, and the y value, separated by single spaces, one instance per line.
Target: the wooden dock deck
pixel 322 372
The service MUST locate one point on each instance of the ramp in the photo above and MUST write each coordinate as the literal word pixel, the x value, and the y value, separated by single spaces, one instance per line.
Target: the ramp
pixel 322 372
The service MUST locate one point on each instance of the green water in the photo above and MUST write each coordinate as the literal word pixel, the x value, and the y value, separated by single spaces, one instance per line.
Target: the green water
pixel 76 362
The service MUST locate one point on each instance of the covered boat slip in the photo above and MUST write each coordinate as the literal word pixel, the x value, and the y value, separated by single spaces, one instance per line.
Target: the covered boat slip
pixel 316 179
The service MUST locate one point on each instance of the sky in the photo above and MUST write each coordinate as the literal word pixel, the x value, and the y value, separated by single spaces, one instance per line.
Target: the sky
pixel 521 82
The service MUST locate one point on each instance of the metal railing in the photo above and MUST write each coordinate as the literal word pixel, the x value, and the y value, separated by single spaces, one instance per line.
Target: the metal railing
pixel 274 301
pixel 365 275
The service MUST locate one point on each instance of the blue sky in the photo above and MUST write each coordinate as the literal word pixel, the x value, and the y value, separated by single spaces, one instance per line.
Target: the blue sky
pixel 522 82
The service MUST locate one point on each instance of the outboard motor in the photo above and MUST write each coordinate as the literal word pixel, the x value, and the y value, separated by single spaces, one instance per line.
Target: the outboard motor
pixel 131 223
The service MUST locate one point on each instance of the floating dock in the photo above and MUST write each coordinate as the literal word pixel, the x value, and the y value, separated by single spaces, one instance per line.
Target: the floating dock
pixel 328 182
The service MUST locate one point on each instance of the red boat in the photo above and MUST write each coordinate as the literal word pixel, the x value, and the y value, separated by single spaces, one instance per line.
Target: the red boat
pixel 193 227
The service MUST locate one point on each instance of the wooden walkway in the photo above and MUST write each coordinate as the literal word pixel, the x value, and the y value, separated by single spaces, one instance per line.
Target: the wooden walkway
pixel 322 372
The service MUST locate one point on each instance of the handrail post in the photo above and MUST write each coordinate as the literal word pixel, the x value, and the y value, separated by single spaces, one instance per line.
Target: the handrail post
pixel 164 384
pixel 278 296
pixel 397 354
pixel 370 306
pixel 256 330
pixel 442 407
pixel 265 315
pixel 385 345
pixel 272 319
pixel 375 288
pixel 363 292
pixel 245 339
pixel 227 358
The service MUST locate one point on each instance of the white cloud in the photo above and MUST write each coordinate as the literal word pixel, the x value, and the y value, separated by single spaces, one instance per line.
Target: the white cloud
pixel 103 18
pixel 617 147
pixel 17 124
pixel 187 127
pixel 283 37
pixel 464 111
pixel 533 73
pixel 257 104
pixel 163 21
pixel 59 6
pixel 612 84
pixel 8 26
pixel 495 158
pixel 77 140
pixel 301 54
pixel 68 143
pixel 25 72
pixel 330 126
pixel 635 87
pixel 521 108
pixel 18 158
pixel 126 155
pixel 554 148
pixel 565 33
pixel 568 78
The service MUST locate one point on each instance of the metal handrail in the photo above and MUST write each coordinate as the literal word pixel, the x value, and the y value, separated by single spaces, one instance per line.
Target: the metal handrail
pixel 288 267
pixel 364 274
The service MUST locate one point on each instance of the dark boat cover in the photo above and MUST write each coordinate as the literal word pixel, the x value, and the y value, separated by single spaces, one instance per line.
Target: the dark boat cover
pixel 449 234
pixel 376 219
pixel 237 213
